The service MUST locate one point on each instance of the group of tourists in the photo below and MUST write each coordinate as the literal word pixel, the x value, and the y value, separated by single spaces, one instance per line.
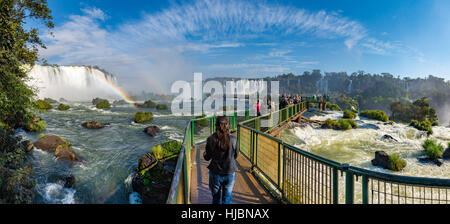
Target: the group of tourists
pixel 288 100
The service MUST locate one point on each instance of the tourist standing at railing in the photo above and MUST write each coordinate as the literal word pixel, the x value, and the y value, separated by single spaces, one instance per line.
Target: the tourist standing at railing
pixel 258 108
pixel 284 102
pixel 222 149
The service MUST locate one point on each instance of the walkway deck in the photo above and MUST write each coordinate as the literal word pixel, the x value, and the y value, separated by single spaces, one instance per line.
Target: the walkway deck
pixel 247 189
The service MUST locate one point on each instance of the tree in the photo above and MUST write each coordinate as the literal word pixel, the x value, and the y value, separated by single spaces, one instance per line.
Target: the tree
pixel 19 52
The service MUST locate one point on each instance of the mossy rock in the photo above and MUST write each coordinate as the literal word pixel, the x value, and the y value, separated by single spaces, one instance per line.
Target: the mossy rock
pixel 147 104
pixel 50 101
pixel 43 106
pixel 36 124
pixel 97 101
pixel 63 107
pixel 162 107
pixel 342 124
pixel 103 105
pixel 143 117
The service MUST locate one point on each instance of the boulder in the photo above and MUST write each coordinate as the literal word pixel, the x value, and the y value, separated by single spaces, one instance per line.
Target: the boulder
pixel 27 145
pixel 146 161
pixel 152 131
pixel 381 159
pixel 389 138
pixel 93 125
pixel 446 154
pixel 69 181
pixel 64 152
pixel 49 143
pixel 438 162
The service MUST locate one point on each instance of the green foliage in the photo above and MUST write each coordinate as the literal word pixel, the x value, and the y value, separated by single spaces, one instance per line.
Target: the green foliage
pixel 422 126
pixel 147 104
pixel 334 107
pixel 396 163
pixel 63 107
pixel 432 149
pixel 36 124
pixel 43 106
pixel 103 105
pixel 143 117
pixel 162 107
pixel 342 124
pixel 349 114
pixel 166 150
pixel 376 115
pixel 419 110
pixel 434 123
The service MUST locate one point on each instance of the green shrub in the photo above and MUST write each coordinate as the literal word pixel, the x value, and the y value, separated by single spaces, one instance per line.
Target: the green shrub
pixel 162 107
pixel 97 101
pixel 432 149
pixel 35 125
pixel 147 104
pixel 43 106
pixel 63 107
pixel 349 114
pixel 334 107
pixel 103 105
pixel 396 163
pixel 376 115
pixel 435 123
pixel 143 117
pixel 422 126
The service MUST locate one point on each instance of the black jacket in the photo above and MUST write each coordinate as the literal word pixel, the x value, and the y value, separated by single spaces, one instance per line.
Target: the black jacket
pixel 222 162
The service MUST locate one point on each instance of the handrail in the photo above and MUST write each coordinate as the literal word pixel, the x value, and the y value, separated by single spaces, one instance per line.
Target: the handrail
pixel 301 176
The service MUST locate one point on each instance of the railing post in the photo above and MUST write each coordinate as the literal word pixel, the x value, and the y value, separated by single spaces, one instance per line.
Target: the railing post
pixel 365 189
pixel 349 185
pixel 247 115
pixel 335 186
pixel 192 133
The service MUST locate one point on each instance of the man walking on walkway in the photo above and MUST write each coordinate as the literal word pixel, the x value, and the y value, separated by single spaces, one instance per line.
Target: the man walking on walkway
pixel 222 149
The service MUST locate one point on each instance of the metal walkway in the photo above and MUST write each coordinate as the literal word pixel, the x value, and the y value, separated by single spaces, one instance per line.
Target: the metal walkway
pixel 247 189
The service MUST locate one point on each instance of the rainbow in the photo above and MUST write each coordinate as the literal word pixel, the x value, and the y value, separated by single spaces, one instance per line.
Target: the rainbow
pixel 115 88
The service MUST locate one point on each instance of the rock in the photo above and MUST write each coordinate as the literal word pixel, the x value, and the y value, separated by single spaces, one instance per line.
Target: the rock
pixel 381 159
pixel 93 125
pixel 49 143
pixel 446 154
pixel 390 138
pixel 143 117
pixel 69 181
pixel 27 145
pixel 146 161
pixel 152 131
pixel 438 162
pixel 64 152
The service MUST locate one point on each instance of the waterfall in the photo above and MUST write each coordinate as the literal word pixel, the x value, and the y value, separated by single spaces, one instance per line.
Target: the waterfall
pixel 74 83
pixel 350 86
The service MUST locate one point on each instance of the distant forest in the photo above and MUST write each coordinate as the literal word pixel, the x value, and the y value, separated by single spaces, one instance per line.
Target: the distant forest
pixel 368 91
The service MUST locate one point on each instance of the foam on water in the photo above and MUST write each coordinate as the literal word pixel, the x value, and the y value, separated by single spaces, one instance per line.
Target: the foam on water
pixel 57 194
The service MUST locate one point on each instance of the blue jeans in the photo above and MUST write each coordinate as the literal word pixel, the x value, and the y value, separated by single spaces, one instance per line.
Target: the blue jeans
pixel 221 187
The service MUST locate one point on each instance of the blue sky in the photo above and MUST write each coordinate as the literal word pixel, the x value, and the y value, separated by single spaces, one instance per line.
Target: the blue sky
pixel 150 44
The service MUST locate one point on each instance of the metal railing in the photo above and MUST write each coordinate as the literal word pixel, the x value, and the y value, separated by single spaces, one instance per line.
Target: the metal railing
pixel 296 176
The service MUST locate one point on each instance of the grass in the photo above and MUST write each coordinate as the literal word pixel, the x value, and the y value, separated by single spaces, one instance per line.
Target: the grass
pixel 396 163
pixel 166 150
pixel 432 149
pixel 349 114
pixel 376 115
pixel 143 117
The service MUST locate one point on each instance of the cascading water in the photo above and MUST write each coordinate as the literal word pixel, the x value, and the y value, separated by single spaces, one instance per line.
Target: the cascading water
pixel 74 83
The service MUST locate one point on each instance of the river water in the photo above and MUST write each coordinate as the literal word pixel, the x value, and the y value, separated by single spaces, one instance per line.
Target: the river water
pixel 357 147
pixel 110 155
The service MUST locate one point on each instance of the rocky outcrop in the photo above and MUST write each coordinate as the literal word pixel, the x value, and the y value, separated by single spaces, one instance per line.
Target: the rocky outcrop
pixel 94 125
pixel 58 146
pixel 69 181
pixel 389 138
pixel 381 159
pixel 438 162
pixel 152 131
pixel 446 154
pixel 147 161
pixel 49 143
